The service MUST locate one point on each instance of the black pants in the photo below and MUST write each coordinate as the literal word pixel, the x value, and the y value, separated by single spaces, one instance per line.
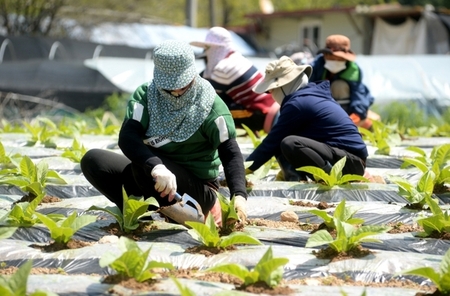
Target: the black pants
pixel 299 151
pixel 108 171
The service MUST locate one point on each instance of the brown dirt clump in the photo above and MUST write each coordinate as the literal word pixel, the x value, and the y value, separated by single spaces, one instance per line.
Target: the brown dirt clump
pixel 54 246
pixel 209 251
pixel 333 255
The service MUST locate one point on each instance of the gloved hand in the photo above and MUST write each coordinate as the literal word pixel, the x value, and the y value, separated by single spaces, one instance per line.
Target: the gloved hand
pixel 355 118
pixel 239 206
pixel 165 181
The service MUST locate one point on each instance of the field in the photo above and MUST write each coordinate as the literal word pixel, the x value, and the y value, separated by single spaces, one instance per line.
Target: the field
pixel 79 271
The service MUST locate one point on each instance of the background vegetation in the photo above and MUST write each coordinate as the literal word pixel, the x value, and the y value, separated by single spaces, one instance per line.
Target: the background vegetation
pixel 38 17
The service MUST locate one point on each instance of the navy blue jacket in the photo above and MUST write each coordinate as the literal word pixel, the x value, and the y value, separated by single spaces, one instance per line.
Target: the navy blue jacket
pixel 360 97
pixel 312 113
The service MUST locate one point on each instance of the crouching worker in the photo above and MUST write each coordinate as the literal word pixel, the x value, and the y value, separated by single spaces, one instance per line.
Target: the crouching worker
pixel 312 129
pixel 176 133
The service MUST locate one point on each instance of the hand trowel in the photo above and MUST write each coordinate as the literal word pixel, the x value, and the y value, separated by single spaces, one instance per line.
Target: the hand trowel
pixel 185 209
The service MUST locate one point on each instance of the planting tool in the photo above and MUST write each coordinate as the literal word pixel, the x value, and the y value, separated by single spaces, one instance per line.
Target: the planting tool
pixel 185 209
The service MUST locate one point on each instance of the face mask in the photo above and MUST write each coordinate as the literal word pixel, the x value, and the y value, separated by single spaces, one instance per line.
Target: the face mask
pixel 335 66
pixel 278 95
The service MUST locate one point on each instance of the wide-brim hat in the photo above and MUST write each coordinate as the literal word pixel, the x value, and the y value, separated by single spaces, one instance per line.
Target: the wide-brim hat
pixel 281 72
pixel 174 62
pixel 216 36
pixel 338 45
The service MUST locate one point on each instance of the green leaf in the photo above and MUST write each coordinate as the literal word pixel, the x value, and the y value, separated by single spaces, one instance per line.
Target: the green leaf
pixel 236 238
pixel 18 281
pixel 319 238
pixel 318 174
pixel 426 272
pixel 7 232
pixel 271 271
pixel 236 270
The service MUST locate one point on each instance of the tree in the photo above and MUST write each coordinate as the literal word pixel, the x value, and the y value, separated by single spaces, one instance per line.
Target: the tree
pixel 29 17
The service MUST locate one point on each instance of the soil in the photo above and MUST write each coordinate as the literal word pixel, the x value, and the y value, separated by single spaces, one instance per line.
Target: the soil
pixel 29 198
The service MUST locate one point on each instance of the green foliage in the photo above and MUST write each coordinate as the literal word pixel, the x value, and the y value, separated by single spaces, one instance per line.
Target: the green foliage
pixel 134 208
pixel 42 133
pixel 262 171
pixel 209 236
pixel 7 127
pixel 6 161
pixel 383 137
pixel 7 232
pixel 440 278
pixel 23 213
pixel 32 178
pixel 416 194
pixel 61 231
pixel 347 238
pixel 438 222
pixel 268 270
pixel 16 284
pixel 229 215
pixel 255 140
pixel 184 291
pixel 335 176
pixel 132 262
pixel 342 213
pixel 76 152
pixel 437 162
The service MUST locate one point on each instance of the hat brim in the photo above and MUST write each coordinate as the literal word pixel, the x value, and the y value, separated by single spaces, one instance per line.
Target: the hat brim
pixel 272 83
pixel 172 81
pixel 204 44
pixel 349 56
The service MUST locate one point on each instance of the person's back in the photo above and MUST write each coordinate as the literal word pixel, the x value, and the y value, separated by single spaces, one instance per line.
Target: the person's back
pixel 336 63
pixel 233 76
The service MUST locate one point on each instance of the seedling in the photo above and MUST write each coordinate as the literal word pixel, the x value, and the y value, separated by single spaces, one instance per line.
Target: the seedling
pixel 416 194
pixel 42 134
pixel 382 137
pixel 268 270
pixel 229 215
pixel 61 231
pixel 438 222
pixel 134 208
pixel 440 278
pixel 437 162
pixel 133 262
pixel 209 236
pixel 32 178
pixel 348 236
pixel 335 176
pixel 16 284
pixel 342 213
pixel 23 213
pixel 76 152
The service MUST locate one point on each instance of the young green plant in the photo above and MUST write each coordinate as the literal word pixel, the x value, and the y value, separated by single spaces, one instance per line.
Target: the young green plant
pixel 416 194
pixel 347 238
pixel 437 162
pixel 208 234
pixel 440 278
pixel 134 208
pixel 75 152
pixel 61 231
pixel 335 176
pixel 229 215
pixel 268 270
pixel 16 284
pixel 342 213
pixel 383 136
pixel 23 213
pixel 32 178
pixel 439 221
pixel 133 262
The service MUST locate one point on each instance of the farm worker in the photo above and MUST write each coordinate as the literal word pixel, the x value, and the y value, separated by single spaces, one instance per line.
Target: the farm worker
pixel 233 76
pixel 312 129
pixel 175 135
pixel 336 63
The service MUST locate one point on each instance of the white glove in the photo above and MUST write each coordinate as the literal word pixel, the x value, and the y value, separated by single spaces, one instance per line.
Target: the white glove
pixel 165 181
pixel 239 206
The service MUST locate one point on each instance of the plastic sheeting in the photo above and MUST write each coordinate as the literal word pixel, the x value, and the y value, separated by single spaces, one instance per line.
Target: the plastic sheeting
pixel 375 203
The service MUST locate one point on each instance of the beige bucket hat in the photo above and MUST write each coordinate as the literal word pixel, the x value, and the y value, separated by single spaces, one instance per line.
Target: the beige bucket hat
pixel 281 72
